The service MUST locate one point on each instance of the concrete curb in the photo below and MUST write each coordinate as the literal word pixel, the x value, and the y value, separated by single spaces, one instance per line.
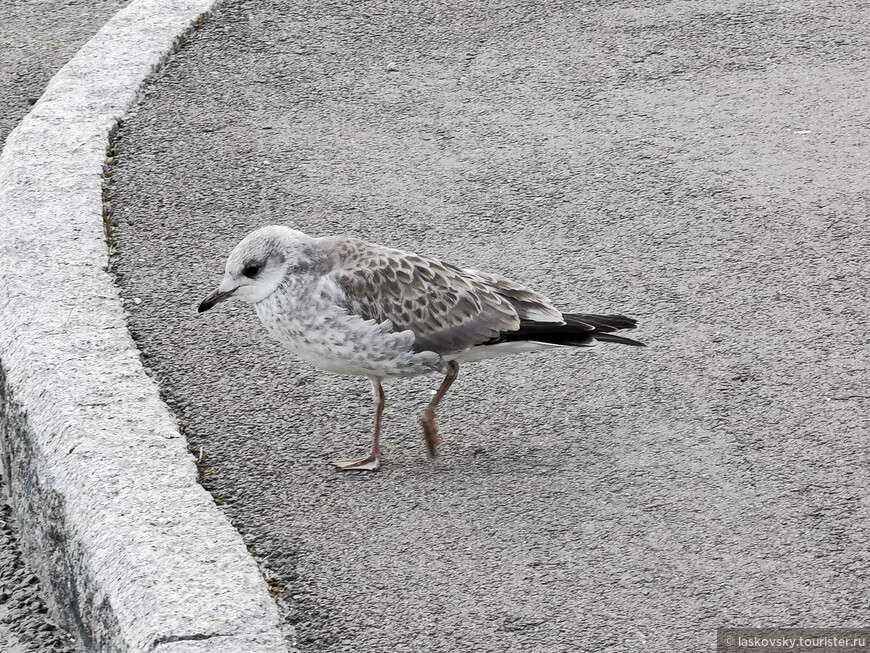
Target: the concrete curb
pixel 132 551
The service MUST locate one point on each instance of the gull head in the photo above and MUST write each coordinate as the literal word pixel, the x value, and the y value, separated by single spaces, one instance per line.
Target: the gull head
pixel 258 265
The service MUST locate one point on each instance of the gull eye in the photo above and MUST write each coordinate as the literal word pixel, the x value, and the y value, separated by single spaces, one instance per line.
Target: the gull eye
pixel 251 271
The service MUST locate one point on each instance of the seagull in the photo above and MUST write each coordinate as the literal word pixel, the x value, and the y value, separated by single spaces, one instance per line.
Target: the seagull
pixel 352 307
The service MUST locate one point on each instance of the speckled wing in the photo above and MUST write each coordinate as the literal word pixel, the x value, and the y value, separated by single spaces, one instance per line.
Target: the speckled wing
pixel 528 304
pixel 447 308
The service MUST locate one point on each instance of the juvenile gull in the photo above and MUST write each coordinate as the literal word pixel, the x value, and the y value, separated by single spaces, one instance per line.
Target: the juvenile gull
pixel 352 307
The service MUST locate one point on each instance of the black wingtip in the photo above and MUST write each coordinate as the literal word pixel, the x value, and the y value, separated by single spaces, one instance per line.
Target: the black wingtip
pixel 579 330
pixel 609 337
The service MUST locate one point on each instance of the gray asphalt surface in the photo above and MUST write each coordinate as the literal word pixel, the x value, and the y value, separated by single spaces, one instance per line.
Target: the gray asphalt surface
pixel 700 166
pixel 36 40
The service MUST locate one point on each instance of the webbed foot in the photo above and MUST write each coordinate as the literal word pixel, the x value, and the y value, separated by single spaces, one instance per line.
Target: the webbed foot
pixel 368 464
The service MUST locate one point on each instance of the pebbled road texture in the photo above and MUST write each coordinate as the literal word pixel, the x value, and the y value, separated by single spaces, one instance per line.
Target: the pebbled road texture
pixel 700 166
pixel 36 39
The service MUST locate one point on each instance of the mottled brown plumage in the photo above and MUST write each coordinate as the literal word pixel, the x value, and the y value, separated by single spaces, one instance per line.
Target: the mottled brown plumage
pixel 353 307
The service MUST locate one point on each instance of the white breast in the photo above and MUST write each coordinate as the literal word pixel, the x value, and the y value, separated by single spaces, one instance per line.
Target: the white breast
pixel 325 335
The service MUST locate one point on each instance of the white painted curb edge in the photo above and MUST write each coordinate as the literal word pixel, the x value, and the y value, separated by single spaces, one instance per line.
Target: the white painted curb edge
pixel 132 551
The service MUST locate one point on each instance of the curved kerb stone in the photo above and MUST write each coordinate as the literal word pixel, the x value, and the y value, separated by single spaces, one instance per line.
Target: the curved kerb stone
pixel 132 551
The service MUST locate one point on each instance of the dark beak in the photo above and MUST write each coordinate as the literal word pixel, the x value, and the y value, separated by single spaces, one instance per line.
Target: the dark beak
pixel 215 298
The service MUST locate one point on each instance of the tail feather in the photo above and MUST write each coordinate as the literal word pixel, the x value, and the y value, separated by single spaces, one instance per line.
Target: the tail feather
pixel 609 337
pixel 579 330
pixel 606 323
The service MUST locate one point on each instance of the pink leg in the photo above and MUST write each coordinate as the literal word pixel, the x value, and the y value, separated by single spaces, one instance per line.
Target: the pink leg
pixel 430 429
pixel 372 461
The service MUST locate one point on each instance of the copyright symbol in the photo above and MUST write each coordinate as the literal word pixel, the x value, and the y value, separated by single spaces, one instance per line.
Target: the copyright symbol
pixel 729 641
